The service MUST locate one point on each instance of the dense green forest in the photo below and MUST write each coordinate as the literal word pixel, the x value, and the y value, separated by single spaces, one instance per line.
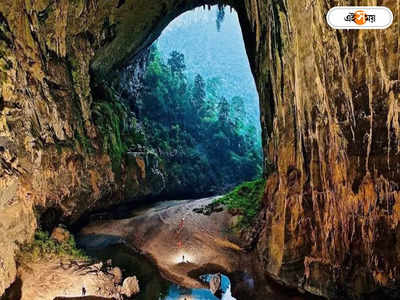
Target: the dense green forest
pixel 206 142
pixel 212 43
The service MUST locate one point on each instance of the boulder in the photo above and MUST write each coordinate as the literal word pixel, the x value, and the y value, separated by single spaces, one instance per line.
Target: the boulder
pixel 130 286
pixel 117 273
pixel 215 283
pixel 60 235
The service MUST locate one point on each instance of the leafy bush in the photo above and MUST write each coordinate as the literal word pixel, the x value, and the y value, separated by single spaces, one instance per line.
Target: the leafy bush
pixel 245 200
pixel 43 247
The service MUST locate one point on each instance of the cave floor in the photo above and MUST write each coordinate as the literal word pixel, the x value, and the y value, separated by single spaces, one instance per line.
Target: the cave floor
pixel 184 244
pixel 64 279
pixel 179 241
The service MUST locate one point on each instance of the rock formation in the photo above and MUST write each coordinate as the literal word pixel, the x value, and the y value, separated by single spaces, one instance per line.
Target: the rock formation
pixel 215 283
pixel 330 115
pixel 130 286
pixel 60 235
pixel 66 279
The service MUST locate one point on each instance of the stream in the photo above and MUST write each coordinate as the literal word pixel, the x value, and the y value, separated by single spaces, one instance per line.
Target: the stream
pixel 152 284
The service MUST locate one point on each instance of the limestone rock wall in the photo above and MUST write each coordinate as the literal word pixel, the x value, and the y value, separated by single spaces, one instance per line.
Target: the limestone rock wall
pixel 330 217
pixel 53 150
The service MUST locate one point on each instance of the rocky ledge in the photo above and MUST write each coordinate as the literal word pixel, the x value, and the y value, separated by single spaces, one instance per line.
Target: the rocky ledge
pixel 71 278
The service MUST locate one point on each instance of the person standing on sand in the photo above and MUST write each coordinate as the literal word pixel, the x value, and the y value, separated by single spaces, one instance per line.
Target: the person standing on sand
pixel 83 291
pixel 181 224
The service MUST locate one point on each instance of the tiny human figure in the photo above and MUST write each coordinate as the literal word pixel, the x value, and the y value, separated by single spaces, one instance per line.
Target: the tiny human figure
pixel 183 258
pixel 83 291
pixel 181 223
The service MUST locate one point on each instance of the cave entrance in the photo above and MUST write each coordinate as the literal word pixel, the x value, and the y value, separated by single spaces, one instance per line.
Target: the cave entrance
pixel 195 105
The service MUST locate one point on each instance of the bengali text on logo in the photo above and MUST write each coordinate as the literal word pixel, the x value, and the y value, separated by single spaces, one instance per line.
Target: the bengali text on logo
pixel 364 17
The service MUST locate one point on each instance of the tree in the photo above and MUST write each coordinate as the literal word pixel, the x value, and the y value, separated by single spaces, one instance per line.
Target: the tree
pixel 238 112
pixel 223 113
pixel 199 92
pixel 213 86
pixel 176 62
pixel 205 141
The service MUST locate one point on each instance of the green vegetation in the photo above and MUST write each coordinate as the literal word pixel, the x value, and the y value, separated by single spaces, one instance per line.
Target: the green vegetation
pixel 108 119
pixel 44 247
pixel 221 56
pixel 111 119
pixel 206 142
pixel 245 200
pixel 83 140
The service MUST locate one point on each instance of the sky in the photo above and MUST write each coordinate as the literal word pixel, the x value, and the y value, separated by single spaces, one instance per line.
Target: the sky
pixel 213 53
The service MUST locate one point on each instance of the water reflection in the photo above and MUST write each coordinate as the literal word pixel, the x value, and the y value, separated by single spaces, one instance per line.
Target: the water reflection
pixel 177 292
pixel 152 285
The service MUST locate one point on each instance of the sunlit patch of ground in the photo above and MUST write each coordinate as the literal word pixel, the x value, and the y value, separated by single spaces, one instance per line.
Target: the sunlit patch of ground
pixel 184 245
pixel 179 240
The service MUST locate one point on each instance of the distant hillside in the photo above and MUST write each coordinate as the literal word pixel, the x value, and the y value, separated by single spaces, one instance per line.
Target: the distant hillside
pixel 213 54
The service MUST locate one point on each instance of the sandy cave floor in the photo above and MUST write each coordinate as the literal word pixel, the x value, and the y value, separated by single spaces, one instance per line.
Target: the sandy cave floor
pixel 179 240
pixel 46 280
pixel 182 243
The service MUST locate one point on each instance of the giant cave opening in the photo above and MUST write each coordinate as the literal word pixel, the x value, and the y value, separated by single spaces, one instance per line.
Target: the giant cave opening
pixel 198 105
pixel 173 118
pixel 192 118
pixel 94 116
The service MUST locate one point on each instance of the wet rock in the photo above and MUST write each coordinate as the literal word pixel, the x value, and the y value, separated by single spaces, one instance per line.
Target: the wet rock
pixel 98 266
pixel 329 103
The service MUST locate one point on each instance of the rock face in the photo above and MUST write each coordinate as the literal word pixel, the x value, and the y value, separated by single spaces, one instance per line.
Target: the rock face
pixel 130 286
pixel 330 115
pixel 215 283
pixel 331 208
pixel 66 279
pixel 60 235
pixel 117 273
pixel 63 147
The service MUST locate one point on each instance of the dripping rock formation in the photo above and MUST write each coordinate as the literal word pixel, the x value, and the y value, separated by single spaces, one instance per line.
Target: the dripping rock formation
pixel 330 108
